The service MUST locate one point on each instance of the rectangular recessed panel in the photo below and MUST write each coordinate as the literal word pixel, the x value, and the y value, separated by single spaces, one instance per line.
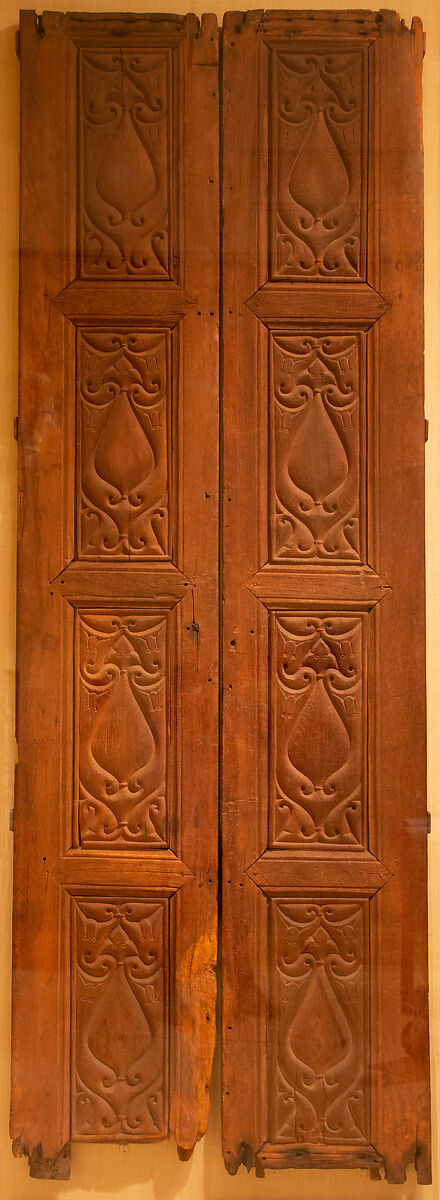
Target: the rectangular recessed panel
pixel 318 1029
pixel 120 1019
pixel 123 776
pixel 317 438
pixel 318 190
pixel 125 163
pixel 124 444
pixel 318 730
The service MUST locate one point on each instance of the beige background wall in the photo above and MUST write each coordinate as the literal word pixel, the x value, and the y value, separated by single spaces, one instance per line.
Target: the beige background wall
pixel 154 1173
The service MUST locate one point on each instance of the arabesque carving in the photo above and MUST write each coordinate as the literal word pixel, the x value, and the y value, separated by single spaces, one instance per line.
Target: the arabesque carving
pixel 125 148
pixel 315 448
pixel 318 184
pixel 122 729
pixel 317 786
pixel 120 1020
pixel 124 418
pixel 320 1022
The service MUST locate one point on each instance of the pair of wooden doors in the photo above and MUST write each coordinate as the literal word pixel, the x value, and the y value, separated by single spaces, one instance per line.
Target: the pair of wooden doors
pixel 285 291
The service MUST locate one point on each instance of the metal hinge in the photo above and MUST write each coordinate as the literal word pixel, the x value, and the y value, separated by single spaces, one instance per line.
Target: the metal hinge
pixel 11 820
pixel 16 428
pixel 426 430
pixel 17 43
pixel 428 823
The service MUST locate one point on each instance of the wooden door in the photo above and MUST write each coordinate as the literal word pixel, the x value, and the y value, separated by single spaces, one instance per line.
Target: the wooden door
pixel 116 797
pixel 325 1059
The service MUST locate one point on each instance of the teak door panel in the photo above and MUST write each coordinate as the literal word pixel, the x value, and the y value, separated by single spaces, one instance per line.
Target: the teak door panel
pixel 323 822
pixel 324 954
pixel 116 798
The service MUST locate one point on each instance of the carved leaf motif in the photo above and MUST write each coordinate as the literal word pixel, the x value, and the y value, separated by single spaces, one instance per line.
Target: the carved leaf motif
pixel 318 462
pixel 123 454
pixel 319 744
pixel 118 1034
pixel 319 180
pixel 126 177
pixel 319 1042
pixel 122 741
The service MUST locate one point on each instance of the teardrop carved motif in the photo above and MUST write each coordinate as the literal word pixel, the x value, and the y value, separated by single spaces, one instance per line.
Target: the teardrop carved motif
pixel 318 180
pixel 318 199
pixel 319 1022
pixel 126 177
pixel 319 742
pixel 122 730
pixel 317 788
pixel 125 148
pixel 316 448
pixel 121 1023
pixel 124 419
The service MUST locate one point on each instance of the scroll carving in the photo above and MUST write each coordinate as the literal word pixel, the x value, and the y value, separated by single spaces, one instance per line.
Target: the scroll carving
pixel 315 448
pixel 125 149
pixel 320 1022
pixel 317 730
pixel 318 186
pixel 122 719
pixel 124 435
pixel 121 1020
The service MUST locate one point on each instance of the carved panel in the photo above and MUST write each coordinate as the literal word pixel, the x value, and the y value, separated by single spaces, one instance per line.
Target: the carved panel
pixel 125 124
pixel 124 419
pixel 317 778
pixel 319 1021
pixel 122 729
pixel 120 1006
pixel 319 104
pixel 315 503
